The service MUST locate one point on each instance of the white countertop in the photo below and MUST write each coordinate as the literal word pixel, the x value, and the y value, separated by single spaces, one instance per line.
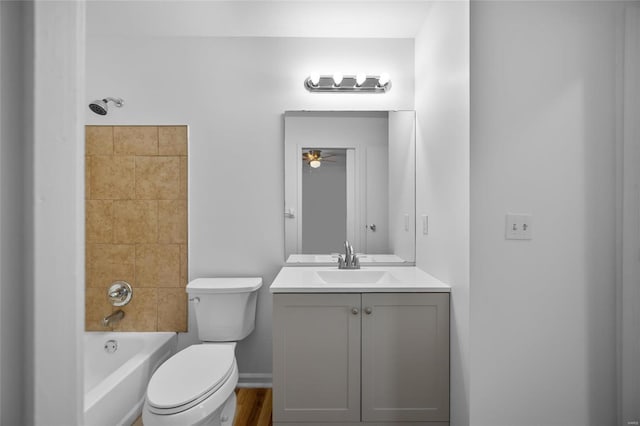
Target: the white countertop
pixel 374 279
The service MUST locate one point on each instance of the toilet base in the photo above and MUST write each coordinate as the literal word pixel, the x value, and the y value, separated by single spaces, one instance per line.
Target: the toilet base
pixel 228 411
pixel 208 413
pixel 224 416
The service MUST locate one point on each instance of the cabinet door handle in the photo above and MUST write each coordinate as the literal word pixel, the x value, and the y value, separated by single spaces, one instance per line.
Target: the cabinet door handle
pixel 355 311
pixel 368 310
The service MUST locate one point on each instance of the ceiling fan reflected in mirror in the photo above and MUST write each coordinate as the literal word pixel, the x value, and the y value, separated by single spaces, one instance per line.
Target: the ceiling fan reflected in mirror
pixel 314 158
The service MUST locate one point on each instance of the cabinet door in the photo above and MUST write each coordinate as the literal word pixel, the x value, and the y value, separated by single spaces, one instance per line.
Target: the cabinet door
pixel 405 357
pixel 316 357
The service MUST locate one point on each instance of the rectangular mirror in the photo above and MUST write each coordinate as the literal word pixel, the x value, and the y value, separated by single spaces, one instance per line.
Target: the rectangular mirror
pixel 349 175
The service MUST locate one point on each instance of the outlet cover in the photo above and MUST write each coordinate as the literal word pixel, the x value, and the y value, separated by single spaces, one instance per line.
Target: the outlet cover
pixel 518 226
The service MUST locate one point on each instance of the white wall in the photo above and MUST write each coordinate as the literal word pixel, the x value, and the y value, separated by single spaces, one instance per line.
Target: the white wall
pixel 544 136
pixel 258 18
pixel 232 93
pixel 442 190
pixel 54 210
pixel 41 212
pixel 12 44
pixel 401 189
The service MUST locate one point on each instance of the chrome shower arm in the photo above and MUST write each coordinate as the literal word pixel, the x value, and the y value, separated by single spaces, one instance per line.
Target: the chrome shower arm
pixel 118 101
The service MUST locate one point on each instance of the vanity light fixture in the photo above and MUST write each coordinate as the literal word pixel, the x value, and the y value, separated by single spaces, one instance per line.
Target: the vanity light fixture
pixel 337 82
pixel 337 79
pixel 384 79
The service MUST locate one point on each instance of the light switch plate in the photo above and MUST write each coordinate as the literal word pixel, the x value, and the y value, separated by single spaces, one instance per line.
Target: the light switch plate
pixel 518 226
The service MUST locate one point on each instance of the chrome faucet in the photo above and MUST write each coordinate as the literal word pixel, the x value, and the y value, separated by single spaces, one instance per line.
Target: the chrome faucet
pixel 113 318
pixel 348 260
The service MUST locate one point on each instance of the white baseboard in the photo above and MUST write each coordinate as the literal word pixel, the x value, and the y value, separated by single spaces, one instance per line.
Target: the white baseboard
pixel 255 380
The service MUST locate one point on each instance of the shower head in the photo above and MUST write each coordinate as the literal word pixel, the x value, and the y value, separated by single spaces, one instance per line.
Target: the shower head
pixel 100 106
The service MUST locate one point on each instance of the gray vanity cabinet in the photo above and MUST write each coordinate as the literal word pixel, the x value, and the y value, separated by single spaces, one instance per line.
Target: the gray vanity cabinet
pixel 379 358
pixel 316 357
pixel 405 357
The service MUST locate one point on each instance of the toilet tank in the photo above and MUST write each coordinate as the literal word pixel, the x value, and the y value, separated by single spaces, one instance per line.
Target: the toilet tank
pixel 225 308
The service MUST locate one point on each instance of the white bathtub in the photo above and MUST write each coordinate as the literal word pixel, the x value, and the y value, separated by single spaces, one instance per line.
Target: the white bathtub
pixel 115 382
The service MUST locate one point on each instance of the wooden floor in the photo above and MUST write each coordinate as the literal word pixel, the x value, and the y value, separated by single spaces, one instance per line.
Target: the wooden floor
pixel 254 407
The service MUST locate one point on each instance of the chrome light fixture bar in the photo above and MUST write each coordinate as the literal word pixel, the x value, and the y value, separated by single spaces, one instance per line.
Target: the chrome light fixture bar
pixel 348 83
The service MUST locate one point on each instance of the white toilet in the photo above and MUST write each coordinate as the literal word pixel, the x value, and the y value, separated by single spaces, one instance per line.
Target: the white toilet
pixel 196 385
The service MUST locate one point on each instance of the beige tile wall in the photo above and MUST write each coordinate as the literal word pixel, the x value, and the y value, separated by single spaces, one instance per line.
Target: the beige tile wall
pixel 136 224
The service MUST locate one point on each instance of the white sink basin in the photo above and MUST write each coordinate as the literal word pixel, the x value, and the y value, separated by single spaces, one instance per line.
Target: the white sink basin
pixel 353 276
pixel 330 279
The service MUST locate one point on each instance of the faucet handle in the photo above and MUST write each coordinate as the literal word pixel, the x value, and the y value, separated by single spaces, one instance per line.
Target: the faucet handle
pixel 348 248
pixel 119 293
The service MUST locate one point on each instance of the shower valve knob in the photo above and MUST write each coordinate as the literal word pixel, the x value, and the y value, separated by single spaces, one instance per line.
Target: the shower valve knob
pixel 120 293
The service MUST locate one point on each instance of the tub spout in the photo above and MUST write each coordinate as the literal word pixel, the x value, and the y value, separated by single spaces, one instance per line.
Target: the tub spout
pixel 113 318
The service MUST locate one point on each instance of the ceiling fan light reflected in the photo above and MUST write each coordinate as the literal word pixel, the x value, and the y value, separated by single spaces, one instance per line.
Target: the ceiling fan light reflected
pixel 314 163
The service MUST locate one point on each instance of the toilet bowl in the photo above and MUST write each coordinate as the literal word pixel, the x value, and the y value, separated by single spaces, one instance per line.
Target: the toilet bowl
pixel 196 385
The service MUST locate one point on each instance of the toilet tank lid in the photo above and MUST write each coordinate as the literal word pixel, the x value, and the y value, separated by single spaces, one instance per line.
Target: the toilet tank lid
pixel 224 285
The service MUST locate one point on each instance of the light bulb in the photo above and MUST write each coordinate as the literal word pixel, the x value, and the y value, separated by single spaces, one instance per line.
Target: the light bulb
pixel 337 79
pixel 314 78
pixel 384 79
pixel 314 163
pixel 360 78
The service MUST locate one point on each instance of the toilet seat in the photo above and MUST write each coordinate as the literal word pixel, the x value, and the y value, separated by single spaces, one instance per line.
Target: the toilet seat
pixel 190 377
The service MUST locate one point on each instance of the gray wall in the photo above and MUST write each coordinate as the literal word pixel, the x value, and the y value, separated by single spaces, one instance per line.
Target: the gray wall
pixel 629 293
pixel 12 85
pixel 544 132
